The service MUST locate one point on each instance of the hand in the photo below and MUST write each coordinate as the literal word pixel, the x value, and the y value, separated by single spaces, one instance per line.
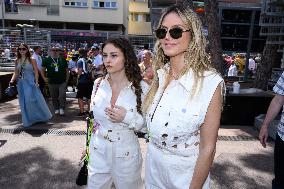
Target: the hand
pixel 263 135
pixel 116 113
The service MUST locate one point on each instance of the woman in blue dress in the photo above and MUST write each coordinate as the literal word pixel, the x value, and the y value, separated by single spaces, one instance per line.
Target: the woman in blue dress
pixel 33 106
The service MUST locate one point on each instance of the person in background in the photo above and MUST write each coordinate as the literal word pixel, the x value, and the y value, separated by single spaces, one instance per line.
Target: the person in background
pixel 37 57
pixel 72 76
pixel 97 61
pixel 252 66
pixel 56 69
pixel 274 108
pixel 32 104
pixel 115 155
pixel 146 67
pixel 183 106
pixel 233 70
pixel 84 84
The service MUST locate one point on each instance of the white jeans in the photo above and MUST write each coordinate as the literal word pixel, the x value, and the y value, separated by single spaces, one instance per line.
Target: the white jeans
pixel 117 162
pixel 164 170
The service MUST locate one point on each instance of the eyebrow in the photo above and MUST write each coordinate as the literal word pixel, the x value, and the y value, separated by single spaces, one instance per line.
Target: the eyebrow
pixel 111 53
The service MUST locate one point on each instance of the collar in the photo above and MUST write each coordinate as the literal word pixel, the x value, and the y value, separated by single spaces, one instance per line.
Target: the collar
pixel 185 80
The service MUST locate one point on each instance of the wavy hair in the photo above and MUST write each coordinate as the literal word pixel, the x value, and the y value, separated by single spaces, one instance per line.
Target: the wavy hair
pixel 132 69
pixel 28 54
pixel 195 57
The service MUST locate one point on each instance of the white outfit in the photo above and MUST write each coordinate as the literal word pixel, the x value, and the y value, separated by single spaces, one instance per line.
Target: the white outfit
pixel 38 60
pixel 115 155
pixel 174 130
pixel 233 70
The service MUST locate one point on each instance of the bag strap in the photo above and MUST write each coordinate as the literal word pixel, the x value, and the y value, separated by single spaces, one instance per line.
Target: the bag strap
pixel 91 124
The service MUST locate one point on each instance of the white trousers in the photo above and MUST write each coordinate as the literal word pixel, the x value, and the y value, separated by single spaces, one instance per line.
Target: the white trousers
pixel 167 171
pixel 118 162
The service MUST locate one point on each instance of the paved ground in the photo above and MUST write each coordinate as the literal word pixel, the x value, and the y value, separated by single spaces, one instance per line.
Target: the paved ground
pixel 36 158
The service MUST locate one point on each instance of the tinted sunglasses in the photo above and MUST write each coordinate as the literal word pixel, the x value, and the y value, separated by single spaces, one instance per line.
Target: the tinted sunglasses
pixel 22 49
pixel 175 33
pixel 55 50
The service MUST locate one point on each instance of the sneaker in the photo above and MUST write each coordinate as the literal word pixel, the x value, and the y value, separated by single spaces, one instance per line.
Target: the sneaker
pixel 56 112
pixel 61 112
pixel 81 114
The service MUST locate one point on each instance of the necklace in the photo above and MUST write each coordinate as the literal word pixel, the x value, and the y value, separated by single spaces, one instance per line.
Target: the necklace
pixel 175 77
pixel 24 62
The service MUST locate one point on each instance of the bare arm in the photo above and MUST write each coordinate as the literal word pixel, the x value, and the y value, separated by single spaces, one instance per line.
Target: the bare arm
pixel 208 139
pixel 273 110
pixel 43 73
pixel 35 68
pixel 15 74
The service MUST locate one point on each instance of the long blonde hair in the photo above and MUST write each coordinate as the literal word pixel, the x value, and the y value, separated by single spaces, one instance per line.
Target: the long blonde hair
pixel 195 58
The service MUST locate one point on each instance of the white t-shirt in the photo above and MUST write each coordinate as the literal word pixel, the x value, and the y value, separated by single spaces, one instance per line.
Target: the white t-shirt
pixel 233 71
pixel 38 60
pixel 251 64
pixel 98 60
pixel 72 65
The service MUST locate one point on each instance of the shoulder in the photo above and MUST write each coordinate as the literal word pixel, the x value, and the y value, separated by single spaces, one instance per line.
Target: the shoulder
pixel 212 76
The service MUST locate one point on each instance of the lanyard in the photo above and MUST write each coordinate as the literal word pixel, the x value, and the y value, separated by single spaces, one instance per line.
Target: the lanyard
pixel 55 62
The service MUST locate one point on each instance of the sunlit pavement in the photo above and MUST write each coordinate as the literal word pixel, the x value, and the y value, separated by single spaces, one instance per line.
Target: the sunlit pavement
pixel 46 155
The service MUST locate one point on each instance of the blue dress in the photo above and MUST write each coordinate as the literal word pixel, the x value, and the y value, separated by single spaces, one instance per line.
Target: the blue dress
pixel 33 106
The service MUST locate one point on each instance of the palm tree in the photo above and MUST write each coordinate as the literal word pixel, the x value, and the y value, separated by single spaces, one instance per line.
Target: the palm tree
pixel 268 59
pixel 214 36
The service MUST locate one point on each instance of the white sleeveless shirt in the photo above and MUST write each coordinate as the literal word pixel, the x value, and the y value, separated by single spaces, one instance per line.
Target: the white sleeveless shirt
pixel 175 124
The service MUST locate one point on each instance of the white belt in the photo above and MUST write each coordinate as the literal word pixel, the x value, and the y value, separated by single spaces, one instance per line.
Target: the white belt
pixel 116 135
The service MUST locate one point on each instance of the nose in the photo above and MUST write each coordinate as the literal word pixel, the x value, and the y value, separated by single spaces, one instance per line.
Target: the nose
pixel 106 59
pixel 167 35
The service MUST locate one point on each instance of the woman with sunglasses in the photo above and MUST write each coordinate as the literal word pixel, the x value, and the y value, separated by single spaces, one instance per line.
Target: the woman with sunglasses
pixel 32 104
pixel 183 105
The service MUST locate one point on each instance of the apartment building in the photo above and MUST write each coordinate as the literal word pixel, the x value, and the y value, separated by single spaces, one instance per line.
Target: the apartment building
pixel 76 19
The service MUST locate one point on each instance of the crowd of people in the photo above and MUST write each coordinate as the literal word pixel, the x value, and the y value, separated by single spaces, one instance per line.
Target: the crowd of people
pixel 174 95
pixel 235 65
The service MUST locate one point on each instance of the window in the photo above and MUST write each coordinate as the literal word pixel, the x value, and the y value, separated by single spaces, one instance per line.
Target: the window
pixel 76 3
pixel 105 4
pixel 113 5
pixel 148 18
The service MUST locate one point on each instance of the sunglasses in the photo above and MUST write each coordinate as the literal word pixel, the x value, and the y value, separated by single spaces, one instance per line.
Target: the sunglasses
pixel 55 50
pixel 22 49
pixel 175 33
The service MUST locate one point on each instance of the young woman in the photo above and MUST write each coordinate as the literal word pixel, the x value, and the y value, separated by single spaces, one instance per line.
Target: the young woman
pixel 183 106
pixel 33 106
pixel 115 156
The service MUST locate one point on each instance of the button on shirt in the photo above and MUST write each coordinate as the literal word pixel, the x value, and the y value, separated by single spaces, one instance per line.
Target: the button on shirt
pixel 174 119
pixel 127 99
pixel 279 89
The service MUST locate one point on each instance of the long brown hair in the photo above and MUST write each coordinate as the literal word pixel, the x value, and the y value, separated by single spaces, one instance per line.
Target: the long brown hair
pixel 28 54
pixel 132 69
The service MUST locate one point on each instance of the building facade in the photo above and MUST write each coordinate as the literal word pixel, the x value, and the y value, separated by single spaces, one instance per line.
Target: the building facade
pixel 74 19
